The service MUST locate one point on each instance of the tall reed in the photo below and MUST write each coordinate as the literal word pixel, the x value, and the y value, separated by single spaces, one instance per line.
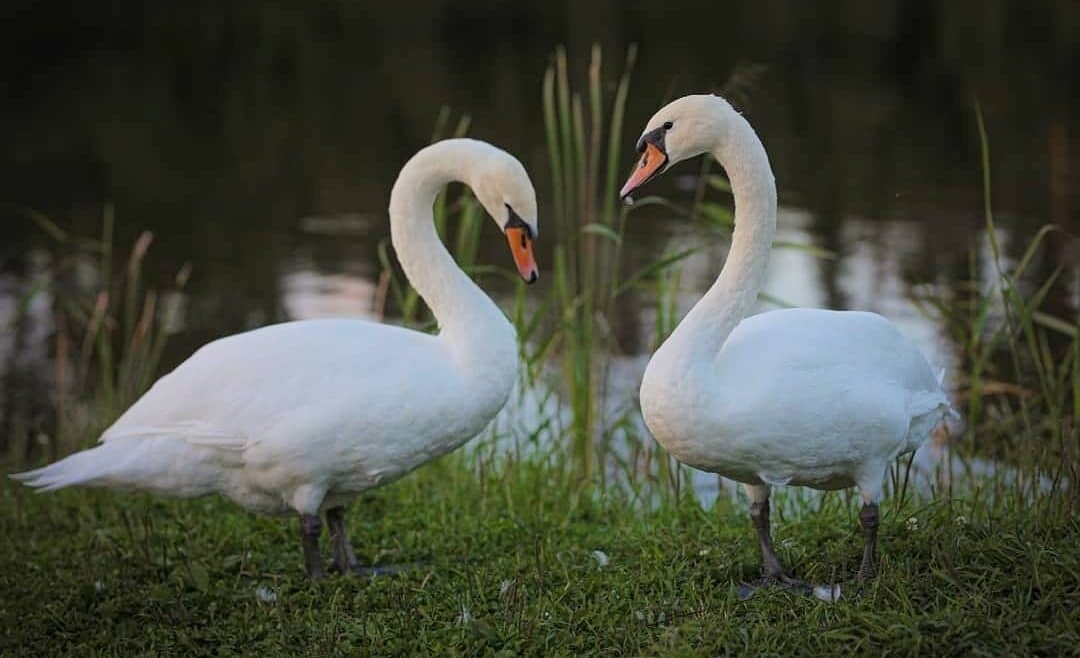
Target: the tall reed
pixel 109 330
pixel 584 136
pixel 1019 382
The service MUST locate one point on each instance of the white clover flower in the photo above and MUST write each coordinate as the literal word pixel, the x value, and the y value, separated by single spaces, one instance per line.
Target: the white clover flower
pixel 912 524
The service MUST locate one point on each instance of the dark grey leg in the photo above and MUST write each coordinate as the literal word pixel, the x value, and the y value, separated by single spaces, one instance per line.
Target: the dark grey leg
pixel 344 557
pixel 759 513
pixel 868 517
pixel 310 529
pixel 775 574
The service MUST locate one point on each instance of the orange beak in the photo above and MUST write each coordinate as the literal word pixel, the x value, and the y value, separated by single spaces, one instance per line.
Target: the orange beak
pixel 650 164
pixel 521 246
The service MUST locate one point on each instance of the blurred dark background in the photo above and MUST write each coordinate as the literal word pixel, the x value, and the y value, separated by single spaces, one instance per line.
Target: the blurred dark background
pixel 222 126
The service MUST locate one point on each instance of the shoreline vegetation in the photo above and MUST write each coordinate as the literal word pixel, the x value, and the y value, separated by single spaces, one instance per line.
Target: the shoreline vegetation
pixel 578 536
pixel 514 560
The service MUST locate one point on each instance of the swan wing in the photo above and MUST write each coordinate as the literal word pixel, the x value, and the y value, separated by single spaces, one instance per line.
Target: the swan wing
pixel 195 432
pixel 307 379
pixel 799 395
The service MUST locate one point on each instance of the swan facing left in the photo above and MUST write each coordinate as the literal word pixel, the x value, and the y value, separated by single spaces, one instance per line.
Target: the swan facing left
pixel 301 417
pixel 806 397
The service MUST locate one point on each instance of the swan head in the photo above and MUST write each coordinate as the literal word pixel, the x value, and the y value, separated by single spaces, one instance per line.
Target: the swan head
pixel 503 188
pixel 682 129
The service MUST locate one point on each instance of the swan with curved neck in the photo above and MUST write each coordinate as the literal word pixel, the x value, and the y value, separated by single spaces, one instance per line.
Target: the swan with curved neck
pixel 810 397
pixel 300 417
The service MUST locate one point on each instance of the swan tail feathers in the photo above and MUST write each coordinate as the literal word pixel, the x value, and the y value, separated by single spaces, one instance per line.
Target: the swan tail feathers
pixel 160 465
pixel 954 422
pixel 82 468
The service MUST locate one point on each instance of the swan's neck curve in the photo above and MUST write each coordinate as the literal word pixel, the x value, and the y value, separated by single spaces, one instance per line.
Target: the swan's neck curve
pixel 470 323
pixel 703 331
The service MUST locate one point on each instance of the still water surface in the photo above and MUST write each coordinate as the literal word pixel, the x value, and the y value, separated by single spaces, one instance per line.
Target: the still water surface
pixel 259 145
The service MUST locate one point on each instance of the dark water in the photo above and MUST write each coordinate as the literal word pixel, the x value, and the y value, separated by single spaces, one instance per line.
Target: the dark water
pixel 259 142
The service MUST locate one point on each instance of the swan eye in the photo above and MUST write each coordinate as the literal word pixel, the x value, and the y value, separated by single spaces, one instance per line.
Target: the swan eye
pixel 515 221
pixel 668 125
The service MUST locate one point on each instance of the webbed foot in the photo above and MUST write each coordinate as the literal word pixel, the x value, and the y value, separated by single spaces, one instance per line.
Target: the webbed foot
pixel 781 580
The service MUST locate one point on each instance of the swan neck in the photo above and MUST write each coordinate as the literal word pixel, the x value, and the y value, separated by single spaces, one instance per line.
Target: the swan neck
pixel 734 293
pixel 469 321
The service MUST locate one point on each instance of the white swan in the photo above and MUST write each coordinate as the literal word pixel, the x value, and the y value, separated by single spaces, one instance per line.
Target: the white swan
pixel 301 417
pixel 809 397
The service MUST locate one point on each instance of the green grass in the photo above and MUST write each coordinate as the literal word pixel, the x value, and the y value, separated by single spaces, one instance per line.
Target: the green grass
pixel 513 547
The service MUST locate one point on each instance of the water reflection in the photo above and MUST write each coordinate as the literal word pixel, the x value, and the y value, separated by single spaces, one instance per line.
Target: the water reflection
pixel 258 143
pixel 25 364
pixel 308 294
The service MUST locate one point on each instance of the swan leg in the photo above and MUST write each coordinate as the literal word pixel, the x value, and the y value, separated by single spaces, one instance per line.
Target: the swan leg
pixel 310 529
pixel 759 513
pixel 868 518
pixel 344 557
pixel 775 574
pixel 870 483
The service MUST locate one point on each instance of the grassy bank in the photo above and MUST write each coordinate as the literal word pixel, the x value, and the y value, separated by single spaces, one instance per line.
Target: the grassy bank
pixel 507 567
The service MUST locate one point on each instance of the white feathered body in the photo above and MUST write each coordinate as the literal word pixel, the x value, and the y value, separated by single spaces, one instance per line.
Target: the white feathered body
pixel 279 417
pixel 824 399
pixel 303 416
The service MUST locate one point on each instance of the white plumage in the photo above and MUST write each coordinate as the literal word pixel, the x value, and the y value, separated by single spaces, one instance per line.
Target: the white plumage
pixel 823 399
pixel 301 417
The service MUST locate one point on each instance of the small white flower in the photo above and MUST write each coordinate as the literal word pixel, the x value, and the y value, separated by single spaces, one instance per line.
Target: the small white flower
pixel 265 594
pixel 960 520
pixel 601 558
pixel 99 586
pixel 912 524
pixel 703 552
